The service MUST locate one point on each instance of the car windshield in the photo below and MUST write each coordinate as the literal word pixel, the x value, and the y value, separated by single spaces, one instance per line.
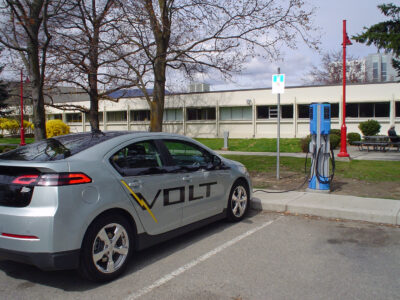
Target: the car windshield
pixel 59 147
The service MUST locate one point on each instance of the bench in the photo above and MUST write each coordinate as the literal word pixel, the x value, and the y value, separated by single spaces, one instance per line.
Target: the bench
pixel 380 143
pixel 369 145
pixel 395 144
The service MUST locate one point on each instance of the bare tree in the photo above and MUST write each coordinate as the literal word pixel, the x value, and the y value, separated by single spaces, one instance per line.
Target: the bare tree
pixel 82 54
pixel 331 70
pixel 25 29
pixel 198 36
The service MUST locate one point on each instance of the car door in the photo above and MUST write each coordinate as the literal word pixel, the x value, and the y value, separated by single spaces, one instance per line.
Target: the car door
pixel 204 185
pixel 156 194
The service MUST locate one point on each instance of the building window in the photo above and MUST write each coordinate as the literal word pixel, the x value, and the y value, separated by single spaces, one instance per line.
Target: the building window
pixel 352 110
pixel 73 118
pixel 140 115
pixel 303 111
pixel 194 114
pixel 334 110
pixel 287 111
pixel 116 116
pixel 382 109
pixel 262 112
pixel 397 109
pixel 54 117
pixel 375 71
pixel 235 113
pixel 368 110
pixel 172 114
pixel 384 71
pixel 271 112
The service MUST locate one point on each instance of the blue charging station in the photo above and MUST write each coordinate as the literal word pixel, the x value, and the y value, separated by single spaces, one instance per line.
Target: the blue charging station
pixel 320 127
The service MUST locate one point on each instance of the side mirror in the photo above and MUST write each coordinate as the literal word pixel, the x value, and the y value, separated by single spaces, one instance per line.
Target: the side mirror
pixel 216 161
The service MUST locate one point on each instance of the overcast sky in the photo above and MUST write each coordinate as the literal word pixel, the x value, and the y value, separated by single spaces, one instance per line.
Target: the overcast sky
pixel 329 17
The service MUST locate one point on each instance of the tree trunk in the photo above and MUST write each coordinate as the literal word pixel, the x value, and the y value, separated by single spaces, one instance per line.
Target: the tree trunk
pixel 157 105
pixel 39 116
pixel 94 102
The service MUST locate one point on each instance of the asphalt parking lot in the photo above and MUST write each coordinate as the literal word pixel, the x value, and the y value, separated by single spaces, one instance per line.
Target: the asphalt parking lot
pixel 267 256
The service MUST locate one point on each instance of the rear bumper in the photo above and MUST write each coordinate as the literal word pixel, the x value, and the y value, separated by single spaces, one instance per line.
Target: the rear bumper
pixel 45 261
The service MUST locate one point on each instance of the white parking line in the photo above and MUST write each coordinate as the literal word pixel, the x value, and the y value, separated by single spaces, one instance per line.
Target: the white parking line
pixel 195 262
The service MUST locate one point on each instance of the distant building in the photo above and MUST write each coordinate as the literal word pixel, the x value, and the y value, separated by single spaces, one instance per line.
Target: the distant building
pixel 245 113
pixel 378 68
pixel 199 87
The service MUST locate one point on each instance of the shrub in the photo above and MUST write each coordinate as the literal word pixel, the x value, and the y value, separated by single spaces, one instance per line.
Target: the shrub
pixel 12 126
pixel 336 132
pixel 28 127
pixel 55 128
pixel 305 143
pixel 353 137
pixel 370 127
pixel 334 140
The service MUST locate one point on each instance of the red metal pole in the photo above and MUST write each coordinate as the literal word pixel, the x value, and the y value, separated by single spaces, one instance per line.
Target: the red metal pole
pixel 22 113
pixel 343 146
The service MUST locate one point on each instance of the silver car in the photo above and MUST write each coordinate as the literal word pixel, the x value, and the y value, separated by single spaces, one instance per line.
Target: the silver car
pixel 89 200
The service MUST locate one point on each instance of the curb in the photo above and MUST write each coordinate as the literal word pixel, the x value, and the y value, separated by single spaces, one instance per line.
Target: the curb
pixel 372 210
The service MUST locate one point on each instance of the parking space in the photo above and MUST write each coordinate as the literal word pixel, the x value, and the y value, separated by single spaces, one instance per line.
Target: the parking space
pixel 267 256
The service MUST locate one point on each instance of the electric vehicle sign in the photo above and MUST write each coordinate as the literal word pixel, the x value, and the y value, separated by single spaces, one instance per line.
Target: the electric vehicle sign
pixel 278 83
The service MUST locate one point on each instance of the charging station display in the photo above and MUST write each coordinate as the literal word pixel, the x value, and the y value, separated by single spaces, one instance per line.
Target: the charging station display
pixel 321 154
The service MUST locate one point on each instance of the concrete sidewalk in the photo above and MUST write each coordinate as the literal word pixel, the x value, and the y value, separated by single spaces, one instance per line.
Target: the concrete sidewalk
pixel 330 206
pixel 353 151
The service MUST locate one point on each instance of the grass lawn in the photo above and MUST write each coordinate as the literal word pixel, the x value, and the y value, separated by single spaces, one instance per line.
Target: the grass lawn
pixel 253 145
pixel 373 171
pixel 6 140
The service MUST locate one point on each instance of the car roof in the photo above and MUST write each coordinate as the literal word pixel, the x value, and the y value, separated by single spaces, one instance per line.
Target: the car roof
pixel 81 146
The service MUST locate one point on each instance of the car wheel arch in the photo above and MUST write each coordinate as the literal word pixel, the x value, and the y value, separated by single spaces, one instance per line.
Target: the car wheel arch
pixel 114 211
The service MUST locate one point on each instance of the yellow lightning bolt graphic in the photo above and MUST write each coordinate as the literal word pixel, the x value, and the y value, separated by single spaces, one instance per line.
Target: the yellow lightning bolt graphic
pixel 139 201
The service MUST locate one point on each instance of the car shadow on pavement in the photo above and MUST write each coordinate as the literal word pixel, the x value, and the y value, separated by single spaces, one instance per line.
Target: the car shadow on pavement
pixel 70 280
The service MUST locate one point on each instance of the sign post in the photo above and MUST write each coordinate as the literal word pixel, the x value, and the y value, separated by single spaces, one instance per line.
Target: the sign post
pixel 278 87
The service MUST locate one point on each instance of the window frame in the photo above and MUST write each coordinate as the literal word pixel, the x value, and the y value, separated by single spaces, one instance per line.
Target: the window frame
pixel 127 172
pixel 199 112
pixel 184 168
pixel 229 110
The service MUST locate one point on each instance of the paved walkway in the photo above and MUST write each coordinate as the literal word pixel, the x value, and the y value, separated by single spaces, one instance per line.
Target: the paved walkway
pixel 330 205
pixel 392 155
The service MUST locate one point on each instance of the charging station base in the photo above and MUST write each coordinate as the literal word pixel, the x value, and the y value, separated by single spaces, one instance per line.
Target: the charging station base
pixel 318 191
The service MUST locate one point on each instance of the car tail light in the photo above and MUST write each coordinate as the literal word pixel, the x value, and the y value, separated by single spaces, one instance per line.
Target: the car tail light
pixel 53 179
pixel 25 179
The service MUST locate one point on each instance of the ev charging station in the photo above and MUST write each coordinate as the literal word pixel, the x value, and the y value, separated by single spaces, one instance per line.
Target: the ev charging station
pixel 320 127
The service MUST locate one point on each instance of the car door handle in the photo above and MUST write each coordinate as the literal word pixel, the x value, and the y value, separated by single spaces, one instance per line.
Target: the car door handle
pixel 135 183
pixel 187 178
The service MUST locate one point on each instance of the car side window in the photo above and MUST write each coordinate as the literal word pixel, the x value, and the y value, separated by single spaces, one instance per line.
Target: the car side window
pixel 137 157
pixel 187 154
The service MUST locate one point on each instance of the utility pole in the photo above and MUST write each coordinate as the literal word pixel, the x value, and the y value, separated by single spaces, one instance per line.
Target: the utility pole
pixel 22 112
pixel 343 133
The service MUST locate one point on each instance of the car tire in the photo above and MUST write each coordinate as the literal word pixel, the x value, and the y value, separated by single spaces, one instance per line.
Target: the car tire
pixel 106 248
pixel 239 201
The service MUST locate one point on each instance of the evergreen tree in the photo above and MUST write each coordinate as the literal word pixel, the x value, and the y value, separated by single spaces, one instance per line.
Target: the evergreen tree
pixel 385 35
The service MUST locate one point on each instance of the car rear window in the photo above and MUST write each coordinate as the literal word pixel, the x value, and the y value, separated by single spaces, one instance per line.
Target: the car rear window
pixel 59 147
